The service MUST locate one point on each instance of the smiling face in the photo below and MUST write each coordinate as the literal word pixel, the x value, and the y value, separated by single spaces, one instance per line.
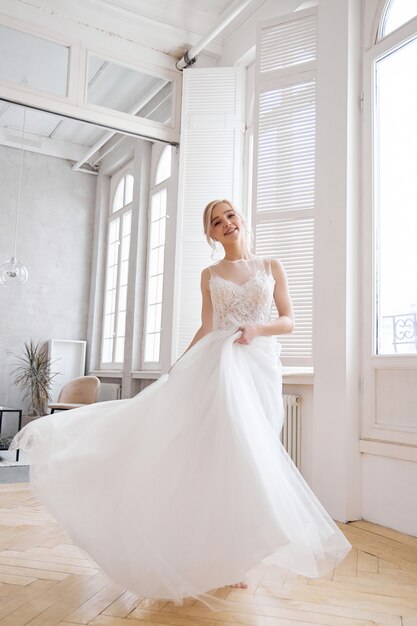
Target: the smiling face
pixel 226 225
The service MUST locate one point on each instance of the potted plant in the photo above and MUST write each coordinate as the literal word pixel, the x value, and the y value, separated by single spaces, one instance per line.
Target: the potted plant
pixel 33 375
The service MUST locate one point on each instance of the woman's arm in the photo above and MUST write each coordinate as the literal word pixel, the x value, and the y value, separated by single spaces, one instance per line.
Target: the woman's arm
pixel 206 312
pixel 285 322
pixel 206 309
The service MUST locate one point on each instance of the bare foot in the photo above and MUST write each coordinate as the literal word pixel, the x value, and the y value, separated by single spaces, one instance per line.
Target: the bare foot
pixel 239 586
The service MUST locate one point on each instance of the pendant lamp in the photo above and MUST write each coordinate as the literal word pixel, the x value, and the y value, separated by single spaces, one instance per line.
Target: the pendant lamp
pixel 13 272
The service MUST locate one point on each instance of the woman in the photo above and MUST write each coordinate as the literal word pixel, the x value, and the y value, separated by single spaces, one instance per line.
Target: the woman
pixel 185 487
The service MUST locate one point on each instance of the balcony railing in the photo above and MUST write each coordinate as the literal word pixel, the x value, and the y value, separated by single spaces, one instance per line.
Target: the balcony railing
pixel 402 329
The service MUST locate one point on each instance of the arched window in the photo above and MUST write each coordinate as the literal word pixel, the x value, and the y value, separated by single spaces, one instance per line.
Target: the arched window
pixel 390 227
pixel 395 14
pixel 117 269
pixel 395 191
pixel 156 254
pixel 124 193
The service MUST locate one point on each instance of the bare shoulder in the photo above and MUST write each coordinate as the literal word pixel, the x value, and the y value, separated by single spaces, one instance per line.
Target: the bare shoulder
pixel 277 269
pixel 277 265
pixel 205 276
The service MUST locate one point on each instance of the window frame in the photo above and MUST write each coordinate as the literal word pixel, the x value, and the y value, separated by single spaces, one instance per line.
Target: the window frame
pixel 115 180
pixel 391 438
pixel 155 188
pixel 381 22
pixel 80 44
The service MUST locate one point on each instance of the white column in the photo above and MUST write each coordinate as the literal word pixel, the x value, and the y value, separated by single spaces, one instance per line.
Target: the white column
pixel 336 458
pixel 137 265
pixel 98 263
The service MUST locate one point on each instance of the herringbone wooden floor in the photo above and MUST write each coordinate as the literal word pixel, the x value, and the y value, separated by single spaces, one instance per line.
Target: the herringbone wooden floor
pixel 45 580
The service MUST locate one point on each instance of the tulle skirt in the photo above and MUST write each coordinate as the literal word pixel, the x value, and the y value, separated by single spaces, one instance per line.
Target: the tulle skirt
pixel 185 487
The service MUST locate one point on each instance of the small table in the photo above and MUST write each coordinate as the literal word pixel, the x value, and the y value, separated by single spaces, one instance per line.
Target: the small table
pixel 9 409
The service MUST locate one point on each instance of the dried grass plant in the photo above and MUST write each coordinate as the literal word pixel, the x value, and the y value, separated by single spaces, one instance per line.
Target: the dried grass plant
pixel 34 376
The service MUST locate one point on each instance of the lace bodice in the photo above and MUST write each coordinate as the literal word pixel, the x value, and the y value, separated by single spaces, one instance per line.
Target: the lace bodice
pixel 241 293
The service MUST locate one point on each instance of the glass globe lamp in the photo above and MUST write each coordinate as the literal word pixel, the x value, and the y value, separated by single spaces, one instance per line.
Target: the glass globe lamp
pixel 13 272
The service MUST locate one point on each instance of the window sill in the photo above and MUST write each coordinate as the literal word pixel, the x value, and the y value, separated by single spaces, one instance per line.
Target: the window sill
pixel 106 373
pixel 154 374
pixel 290 375
pixel 297 375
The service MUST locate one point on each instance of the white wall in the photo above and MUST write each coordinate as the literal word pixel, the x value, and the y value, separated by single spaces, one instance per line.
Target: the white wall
pixel 54 242
pixel 389 492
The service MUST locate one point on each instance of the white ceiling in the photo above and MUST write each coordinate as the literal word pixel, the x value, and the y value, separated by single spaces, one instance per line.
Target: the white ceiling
pixel 180 13
pixel 46 133
pixel 173 26
pixel 45 125
pixel 168 25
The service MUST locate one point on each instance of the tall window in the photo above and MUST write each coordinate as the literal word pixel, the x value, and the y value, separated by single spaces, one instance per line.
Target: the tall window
pixel 395 200
pixel 117 270
pixel 390 225
pixel 155 274
pixel 283 214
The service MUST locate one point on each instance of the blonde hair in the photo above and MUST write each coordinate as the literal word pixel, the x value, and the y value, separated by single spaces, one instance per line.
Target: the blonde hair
pixel 207 218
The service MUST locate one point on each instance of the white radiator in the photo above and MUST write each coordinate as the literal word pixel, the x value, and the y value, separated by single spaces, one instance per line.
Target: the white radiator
pixel 291 431
pixel 109 391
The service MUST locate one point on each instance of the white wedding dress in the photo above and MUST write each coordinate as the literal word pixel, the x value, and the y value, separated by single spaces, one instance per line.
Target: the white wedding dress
pixel 186 487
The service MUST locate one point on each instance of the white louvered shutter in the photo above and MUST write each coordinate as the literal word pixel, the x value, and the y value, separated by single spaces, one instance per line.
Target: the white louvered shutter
pixel 284 163
pixel 211 151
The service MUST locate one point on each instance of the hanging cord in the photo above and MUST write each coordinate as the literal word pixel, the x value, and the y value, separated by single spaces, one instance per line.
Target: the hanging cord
pixel 20 184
